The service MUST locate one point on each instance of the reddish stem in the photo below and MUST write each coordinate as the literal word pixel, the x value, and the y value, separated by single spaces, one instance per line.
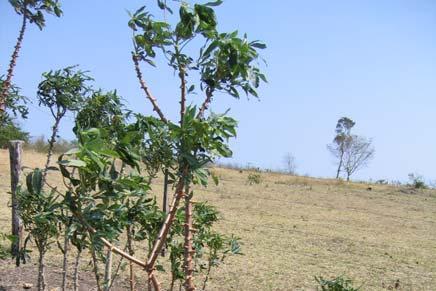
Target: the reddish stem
pixel 144 87
pixel 188 249
pixel 13 62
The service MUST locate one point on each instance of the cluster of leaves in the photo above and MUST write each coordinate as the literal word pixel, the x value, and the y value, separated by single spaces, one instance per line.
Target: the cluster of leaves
pixel 254 178
pixel 38 208
pixel 40 211
pixel 198 142
pixel 5 251
pixel 155 146
pixel 102 110
pixel 11 131
pixel 34 10
pixel 15 103
pixel 226 62
pixel 338 284
pixel 63 90
pixel 98 193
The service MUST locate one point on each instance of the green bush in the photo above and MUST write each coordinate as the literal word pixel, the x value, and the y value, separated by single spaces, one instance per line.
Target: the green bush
pixel 254 178
pixel 10 130
pixel 338 284
pixel 4 250
pixel 417 181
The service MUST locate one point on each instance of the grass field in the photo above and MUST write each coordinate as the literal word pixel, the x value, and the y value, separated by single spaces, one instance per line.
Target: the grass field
pixel 295 228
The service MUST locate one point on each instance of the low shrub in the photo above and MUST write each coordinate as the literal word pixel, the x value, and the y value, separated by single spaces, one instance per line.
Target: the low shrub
pixel 338 284
pixel 254 178
pixel 417 181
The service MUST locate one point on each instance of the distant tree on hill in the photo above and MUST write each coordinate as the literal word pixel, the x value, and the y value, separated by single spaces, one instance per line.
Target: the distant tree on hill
pixel 337 147
pixel 358 152
pixel 290 164
pixel 351 151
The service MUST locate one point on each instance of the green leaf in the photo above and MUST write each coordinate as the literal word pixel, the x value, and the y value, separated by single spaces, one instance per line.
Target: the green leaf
pixel 258 45
pixel 215 179
pixel 214 3
pixel 210 48
pixel 72 151
pixel 73 163
pixel 37 181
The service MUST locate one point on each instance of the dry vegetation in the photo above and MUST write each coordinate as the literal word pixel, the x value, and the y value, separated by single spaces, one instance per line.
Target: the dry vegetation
pixel 295 228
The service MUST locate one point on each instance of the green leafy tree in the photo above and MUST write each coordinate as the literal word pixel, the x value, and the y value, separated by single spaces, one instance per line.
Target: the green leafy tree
pixel 102 110
pixel 108 194
pixel 225 63
pixel 39 211
pixel 15 104
pixel 343 134
pixel 351 151
pixel 104 199
pixel 31 11
pixel 61 91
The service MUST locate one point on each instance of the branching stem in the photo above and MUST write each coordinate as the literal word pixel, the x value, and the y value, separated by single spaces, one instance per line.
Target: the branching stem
pixel 145 88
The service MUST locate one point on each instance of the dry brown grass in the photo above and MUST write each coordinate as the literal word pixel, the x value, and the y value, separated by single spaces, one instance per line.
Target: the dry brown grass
pixel 294 228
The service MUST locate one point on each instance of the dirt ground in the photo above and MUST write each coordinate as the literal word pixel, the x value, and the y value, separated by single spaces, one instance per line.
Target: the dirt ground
pixel 293 228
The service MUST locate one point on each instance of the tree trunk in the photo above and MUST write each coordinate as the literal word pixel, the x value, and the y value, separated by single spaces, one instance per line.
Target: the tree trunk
pixel 131 252
pixel 188 250
pixel 65 260
pixel 13 62
pixel 41 268
pixel 15 153
pixel 339 169
pixel 51 143
pixel 161 238
pixel 340 165
pixel 165 204
pixel 76 271
pixel 95 263
pixel 108 271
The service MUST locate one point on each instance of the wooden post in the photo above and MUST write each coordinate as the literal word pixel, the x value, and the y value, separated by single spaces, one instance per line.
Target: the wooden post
pixel 15 153
pixel 165 202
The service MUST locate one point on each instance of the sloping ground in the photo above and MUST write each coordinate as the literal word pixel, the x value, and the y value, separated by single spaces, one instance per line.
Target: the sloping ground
pixel 295 228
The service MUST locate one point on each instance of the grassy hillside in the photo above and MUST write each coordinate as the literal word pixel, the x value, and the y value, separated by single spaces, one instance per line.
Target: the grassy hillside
pixel 295 228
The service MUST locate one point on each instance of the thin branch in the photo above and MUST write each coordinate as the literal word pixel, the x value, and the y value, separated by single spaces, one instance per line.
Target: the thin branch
pixel 182 93
pixel 154 282
pixel 160 240
pixel 144 87
pixel 117 270
pixel 188 249
pixel 206 103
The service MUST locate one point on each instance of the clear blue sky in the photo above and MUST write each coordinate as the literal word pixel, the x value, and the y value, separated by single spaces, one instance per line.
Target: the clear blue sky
pixel 373 61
